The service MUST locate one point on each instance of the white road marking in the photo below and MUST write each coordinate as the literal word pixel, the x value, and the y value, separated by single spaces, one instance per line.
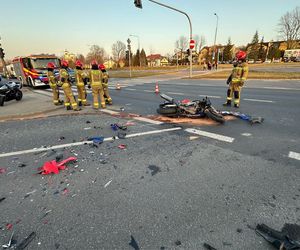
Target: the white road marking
pixel 210 135
pixel 35 150
pixel 294 155
pixel 280 88
pixel 246 134
pixel 143 119
pixel 108 111
pixel 210 96
pixel 150 91
pixel 257 100
pixel 175 93
pixel 107 183
pixel 131 89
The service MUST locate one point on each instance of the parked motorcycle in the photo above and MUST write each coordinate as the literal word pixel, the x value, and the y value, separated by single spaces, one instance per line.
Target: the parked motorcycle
pixel 187 108
pixel 10 91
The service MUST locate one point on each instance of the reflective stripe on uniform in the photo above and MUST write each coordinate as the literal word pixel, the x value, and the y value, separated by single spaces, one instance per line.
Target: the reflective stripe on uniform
pixel 74 104
pixel 79 100
pixel 67 104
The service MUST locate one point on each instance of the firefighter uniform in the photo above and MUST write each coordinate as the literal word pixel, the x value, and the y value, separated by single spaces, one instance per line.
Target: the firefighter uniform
pixel 53 85
pixel 236 80
pixel 105 84
pixel 67 88
pixel 80 76
pixel 96 79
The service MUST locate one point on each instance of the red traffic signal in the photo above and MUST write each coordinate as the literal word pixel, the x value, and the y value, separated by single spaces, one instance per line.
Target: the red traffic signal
pixel 138 4
pixel 192 44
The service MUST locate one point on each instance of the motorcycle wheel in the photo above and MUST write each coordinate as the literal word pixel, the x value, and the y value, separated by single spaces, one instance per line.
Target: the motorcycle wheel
pixel 19 95
pixel 167 110
pixel 212 114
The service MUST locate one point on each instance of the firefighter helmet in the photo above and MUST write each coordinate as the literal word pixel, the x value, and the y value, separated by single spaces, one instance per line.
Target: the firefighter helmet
pixel 64 63
pixel 241 55
pixel 101 66
pixel 78 64
pixel 50 65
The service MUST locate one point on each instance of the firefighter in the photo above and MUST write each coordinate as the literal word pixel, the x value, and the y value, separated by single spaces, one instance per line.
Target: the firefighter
pixel 53 83
pixel 105 84
pixel 81 76
pixel 237 79
pixel 96 78
pixel 67 87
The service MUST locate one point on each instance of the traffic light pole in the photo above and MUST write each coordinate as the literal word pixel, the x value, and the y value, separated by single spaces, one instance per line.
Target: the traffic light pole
pixel 169 7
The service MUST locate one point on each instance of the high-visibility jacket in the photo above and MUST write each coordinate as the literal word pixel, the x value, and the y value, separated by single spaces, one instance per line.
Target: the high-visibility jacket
pixel 96 77
pixel 80 75
pixel 240 73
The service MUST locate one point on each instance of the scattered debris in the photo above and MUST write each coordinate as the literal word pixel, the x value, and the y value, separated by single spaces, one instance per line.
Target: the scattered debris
pixel 21 165
pixel 59 156
pixel 87 122
pixel 11 172
pixel 130 124
pixel 26 241
pixel 92 152
pixel 103 161
pixel 288 238
pixel 244 117
pixel 9 226
pixel 239 230
pixel 29 193
pixel 122 109
pixel 121 135
pixel 154 169
pixel 96 139
pixel 65 191
pixel 107 183
pixel 122 127
pixel 2 170
pixel 133 243
pixel 8 245
pixel 61 138
pixel 114 127
pixel 193 138
pixel 54 167
pixel 88 128
pixel 177 242
pixel 2 199
pixel 208 246
pixel 122 146
pixel 246 134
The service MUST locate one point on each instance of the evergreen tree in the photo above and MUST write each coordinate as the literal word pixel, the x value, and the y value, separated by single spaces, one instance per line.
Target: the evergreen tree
pixel 227 53
pixel 143 58
pixel 255 38
pixel 262 51
pixel 136 59
pixel 254 48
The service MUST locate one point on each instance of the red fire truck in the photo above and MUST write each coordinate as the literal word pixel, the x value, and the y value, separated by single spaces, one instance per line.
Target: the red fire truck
pixel 32 70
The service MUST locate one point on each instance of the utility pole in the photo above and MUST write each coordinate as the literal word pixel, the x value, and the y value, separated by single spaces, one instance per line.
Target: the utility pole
pixel 138 4
pixel 129 56
pixel 214 52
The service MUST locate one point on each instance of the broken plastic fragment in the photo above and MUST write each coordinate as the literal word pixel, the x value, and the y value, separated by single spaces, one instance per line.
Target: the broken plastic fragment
pixel 96 139
pixel 122 146
pixel 2 199
pixel 107 183
pixel 209 247
pixel 54 167
pixel 114 127
pixel 2 170
pixel 26 241
pixel 121 135
pixel 8 245
pixel 133 243
pixel 9 226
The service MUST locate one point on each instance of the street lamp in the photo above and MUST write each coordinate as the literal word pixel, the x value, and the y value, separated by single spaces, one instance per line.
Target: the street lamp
pixel 138 4
pixel 138 47
pixel 214 52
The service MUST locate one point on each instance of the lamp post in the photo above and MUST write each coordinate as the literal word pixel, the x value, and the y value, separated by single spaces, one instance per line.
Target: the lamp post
pixel 214 52
pixel 138 4
pixel 176 51
pixel 138 48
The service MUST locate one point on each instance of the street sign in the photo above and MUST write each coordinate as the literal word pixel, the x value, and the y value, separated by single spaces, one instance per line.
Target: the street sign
pixel 192 44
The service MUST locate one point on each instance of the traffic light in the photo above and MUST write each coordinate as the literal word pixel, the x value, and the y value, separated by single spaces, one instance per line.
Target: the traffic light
pixel 127 55
pixel 2 54
pixel 138 4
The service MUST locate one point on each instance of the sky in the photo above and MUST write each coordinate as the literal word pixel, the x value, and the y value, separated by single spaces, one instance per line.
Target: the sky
pixel 52 26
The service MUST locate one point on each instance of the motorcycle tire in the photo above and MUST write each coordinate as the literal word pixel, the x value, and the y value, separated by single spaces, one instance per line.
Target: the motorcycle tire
pixel 212 114
pixel 165 110
pixel 19 95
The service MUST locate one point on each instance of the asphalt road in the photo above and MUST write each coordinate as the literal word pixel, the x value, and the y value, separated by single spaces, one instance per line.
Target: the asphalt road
pixel 165 190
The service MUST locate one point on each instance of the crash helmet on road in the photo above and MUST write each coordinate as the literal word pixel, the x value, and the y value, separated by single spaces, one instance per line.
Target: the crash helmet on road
pixel 78 64
pixel 64 63
pixel 101 66
pixel 50 65
pixel 241 55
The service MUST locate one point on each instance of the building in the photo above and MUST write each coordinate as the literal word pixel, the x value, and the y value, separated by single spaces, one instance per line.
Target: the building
pixel 156 60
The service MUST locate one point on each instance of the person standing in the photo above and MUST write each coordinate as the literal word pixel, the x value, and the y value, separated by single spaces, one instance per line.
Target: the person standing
pixel 53 83
pixel 237 79
pixel 67 87
pixel 80 76
pixel 105 84
pixel 96 78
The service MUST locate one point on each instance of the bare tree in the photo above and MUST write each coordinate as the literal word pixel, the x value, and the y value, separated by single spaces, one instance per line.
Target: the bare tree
pixel 182 44
pixel 96 53
pixel 289 27
pixel 81 58
pixel 199 42
pixel 118 51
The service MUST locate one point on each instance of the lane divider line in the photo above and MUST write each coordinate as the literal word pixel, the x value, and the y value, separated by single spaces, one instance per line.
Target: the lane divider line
pixel 210 96
pixel 35 150
pixel 257 100
pixel 294 155
pixel 143 119
pixel 210 135
pixel 175 93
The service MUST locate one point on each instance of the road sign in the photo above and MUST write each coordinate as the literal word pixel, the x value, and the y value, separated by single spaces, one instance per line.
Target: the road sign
pixel 192 44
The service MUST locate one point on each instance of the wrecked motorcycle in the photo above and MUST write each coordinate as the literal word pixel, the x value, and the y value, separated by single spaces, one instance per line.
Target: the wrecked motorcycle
pixel 10 91
pixel 191 109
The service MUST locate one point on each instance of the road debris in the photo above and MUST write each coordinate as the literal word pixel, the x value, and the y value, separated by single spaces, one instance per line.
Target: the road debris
pixel 114 127
pixel 61 138
pixel 88 128
pixel 2 199
pixel 122 146
pixel 133 243
pixel 2 170
pixel 121 135
pixel 177 242
pixel 54 167
pixel 106 185
pixel 9 226
pixel 208 246
pixel 96 139
pixel 26 241
pixel 87 122
pixel 252 120
pixel 9 244
pixel 154 169
pixel 21 165
pixel 193 138
pixel 65 191
pixel 288 238
pixel 129 124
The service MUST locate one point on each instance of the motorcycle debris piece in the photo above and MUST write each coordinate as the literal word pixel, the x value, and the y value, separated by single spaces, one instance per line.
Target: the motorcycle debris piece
pixel 185 101
pixel 129 124
pixel 26 241
pixel 8 245
pixel 2 170
pixel 96 139
pixel 133 243
pixel 59 156
pixel 122 146
pixel 154 169
pixel 193 138
pixel 208 246
pixel 258 120
pixel 106 185
pixel 9 226
pixel 21 165
pixel 122 127
pixel 61 138
pixel 280 239
pixel 121 135
pixel 2 199
pixel 50 167
pixel 114 127
pixel 87 122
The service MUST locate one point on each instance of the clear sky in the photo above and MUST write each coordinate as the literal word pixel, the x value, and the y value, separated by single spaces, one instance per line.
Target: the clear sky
pixel 51 26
